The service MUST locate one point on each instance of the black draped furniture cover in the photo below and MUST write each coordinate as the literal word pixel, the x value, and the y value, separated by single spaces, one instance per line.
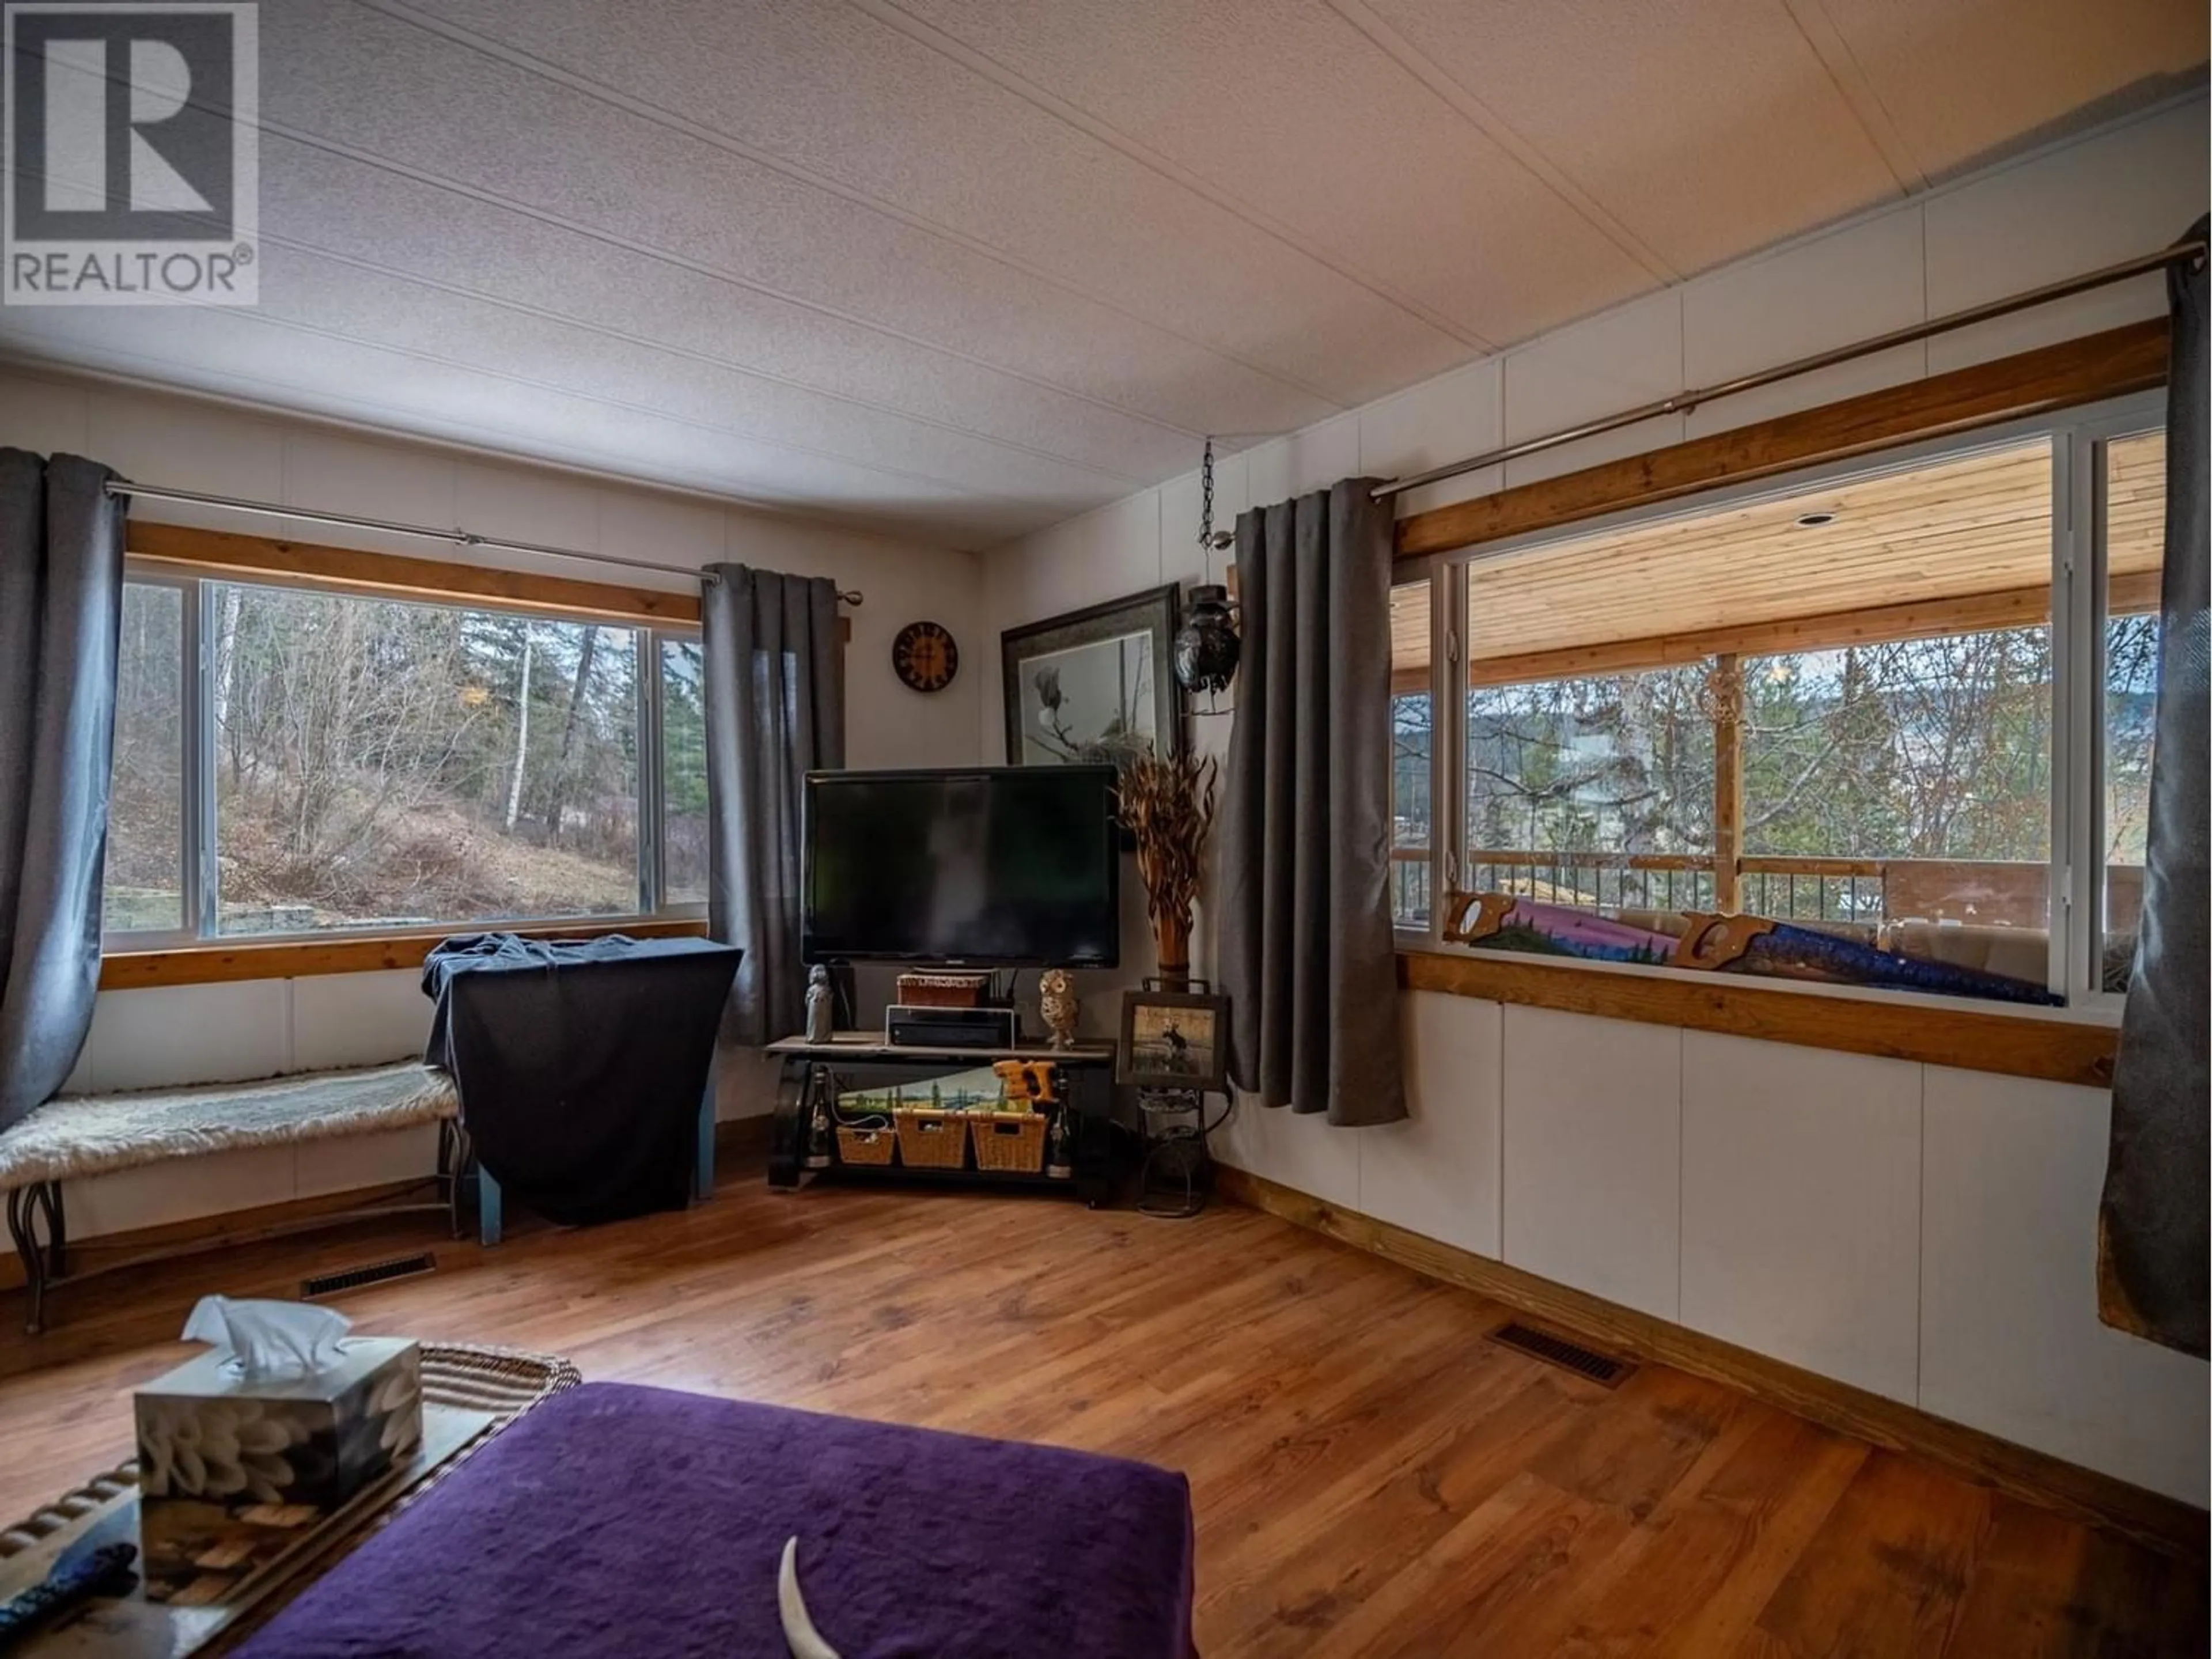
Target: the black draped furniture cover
pixel 581 1063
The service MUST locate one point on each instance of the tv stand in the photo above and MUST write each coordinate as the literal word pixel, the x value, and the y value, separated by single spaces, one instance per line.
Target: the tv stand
pixel 864 1059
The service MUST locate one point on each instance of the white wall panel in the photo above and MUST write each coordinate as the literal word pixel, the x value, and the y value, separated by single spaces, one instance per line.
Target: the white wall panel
pixel 525 504
pixel 1305 461
pixel 1434 424
pixel 1865 279
pixel 358 1019
pixel 1438 1173
pixel 44 416
pixel 342 474
pixel 321 1167
pixel 1614 361
pixel 1800 1206
pixel 1592 1155
pixel 2117 194
pixel 1296 1149
pixel 162 1193
pixel 159 441
pixel 178 1034
pixel 2010 1341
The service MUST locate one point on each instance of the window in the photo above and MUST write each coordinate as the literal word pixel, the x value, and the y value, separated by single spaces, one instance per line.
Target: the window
pixel 1596 790
pixel 684 777
pixel 1903 781
pixel 1839 707
pixel 2135 553
pixel 367 762
pixel 145 890
pixel 1412 833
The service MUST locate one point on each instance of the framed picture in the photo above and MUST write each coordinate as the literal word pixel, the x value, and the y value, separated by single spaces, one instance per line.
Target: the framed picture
pixel 1174 1040
pixel 1095 685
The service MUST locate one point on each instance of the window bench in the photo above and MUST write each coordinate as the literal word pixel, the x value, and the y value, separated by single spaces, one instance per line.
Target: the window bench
pixel 77 1136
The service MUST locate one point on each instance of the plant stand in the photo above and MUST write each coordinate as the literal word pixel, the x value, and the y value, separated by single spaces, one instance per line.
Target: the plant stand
pixel 1176 1177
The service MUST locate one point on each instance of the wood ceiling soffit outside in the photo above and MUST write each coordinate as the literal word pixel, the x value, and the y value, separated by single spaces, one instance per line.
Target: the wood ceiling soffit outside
pixel 2067 375
pixel 1945 547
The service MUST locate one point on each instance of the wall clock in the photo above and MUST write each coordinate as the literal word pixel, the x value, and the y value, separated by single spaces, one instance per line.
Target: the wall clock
pixel 926 656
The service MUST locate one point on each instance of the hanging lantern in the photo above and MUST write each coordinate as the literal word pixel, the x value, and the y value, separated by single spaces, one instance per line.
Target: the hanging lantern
pixel 1206 647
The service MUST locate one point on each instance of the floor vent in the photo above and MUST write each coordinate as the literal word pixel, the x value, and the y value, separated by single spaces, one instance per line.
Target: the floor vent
pixel 1599 1368
pixel 371 1272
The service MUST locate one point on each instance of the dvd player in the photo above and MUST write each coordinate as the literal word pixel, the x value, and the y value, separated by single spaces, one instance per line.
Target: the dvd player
pixel 906 1026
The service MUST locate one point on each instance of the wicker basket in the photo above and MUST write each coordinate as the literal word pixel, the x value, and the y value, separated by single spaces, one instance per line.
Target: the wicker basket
pixel 941 990
pixel 932 1140
pixel 1009 1141
pixel 866 1146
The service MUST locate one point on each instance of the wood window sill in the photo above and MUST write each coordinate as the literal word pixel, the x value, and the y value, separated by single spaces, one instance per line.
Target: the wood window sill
pixel 350 953
pixel 1936 1033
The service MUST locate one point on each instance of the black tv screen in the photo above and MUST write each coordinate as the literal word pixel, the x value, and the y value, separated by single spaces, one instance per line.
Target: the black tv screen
pixel 1005 867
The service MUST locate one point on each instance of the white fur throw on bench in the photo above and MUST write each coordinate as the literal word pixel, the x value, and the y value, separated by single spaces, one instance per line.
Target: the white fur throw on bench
pixel 73 1137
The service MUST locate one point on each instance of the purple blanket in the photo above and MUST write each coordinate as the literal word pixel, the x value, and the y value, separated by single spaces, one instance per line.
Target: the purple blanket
pixel 621 1520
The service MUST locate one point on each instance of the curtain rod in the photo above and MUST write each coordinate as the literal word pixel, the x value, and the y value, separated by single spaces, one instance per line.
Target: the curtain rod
pixel 428 532
pixel 1682 402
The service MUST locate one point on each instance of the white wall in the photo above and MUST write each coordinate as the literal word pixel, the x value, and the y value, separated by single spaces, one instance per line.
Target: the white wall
pixel 210 1033
pixel 1924 1233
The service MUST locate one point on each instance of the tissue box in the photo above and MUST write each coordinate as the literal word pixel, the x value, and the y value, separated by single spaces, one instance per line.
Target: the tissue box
pixel 207 1434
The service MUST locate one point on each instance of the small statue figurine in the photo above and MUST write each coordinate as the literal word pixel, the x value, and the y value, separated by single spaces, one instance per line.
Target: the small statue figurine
pixel 821 1018
pixel 1056 1000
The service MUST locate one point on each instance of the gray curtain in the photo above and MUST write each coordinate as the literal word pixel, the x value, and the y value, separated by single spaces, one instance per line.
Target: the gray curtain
pixel 1304 943
pixel 776 711
pixel 61 610
pixel 2152 1236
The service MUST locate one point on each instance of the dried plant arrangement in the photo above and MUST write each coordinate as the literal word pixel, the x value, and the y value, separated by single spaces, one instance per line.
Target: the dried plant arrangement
pixel 1167 803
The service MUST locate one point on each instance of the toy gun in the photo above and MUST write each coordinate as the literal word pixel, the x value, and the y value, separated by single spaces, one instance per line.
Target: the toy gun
pixel 1030 1084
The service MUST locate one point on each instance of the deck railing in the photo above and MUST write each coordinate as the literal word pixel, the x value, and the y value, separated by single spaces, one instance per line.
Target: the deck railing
pixel 1869 891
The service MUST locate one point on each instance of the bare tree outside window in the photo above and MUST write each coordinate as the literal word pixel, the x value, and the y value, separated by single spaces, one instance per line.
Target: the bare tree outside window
pixel 145 878
pixel 381 762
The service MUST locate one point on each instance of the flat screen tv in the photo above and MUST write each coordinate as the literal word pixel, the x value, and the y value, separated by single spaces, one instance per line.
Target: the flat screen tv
pixel 1016 867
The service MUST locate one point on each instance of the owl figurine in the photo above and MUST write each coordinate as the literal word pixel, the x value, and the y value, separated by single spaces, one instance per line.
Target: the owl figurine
pixel 1056 999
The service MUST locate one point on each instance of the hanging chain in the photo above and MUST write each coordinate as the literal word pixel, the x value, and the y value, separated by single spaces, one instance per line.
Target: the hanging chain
pixel 1205 498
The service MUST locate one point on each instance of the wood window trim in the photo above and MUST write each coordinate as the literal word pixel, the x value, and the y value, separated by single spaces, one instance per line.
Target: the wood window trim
pixel 1934 1033
pixel 217 962
pixel 2087 370
pixel 394 576
pixel 274 560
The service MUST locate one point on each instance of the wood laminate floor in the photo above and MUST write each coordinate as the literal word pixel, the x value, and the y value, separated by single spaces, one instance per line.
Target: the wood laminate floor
pixel 1371 1476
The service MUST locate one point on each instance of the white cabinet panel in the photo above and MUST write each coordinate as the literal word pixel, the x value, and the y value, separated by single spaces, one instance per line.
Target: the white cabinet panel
pixel 1436 1173
pixel 2010 1341
pixel 358 1019
pixel 171 1036
pixel 1592 1155
pixel 1800 1206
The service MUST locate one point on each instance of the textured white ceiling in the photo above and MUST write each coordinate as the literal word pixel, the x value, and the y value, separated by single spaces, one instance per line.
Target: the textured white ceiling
pixel 958 269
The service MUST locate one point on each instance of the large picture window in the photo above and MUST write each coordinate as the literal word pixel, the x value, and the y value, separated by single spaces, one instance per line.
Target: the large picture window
pixel 344 761
pixel 1838 709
